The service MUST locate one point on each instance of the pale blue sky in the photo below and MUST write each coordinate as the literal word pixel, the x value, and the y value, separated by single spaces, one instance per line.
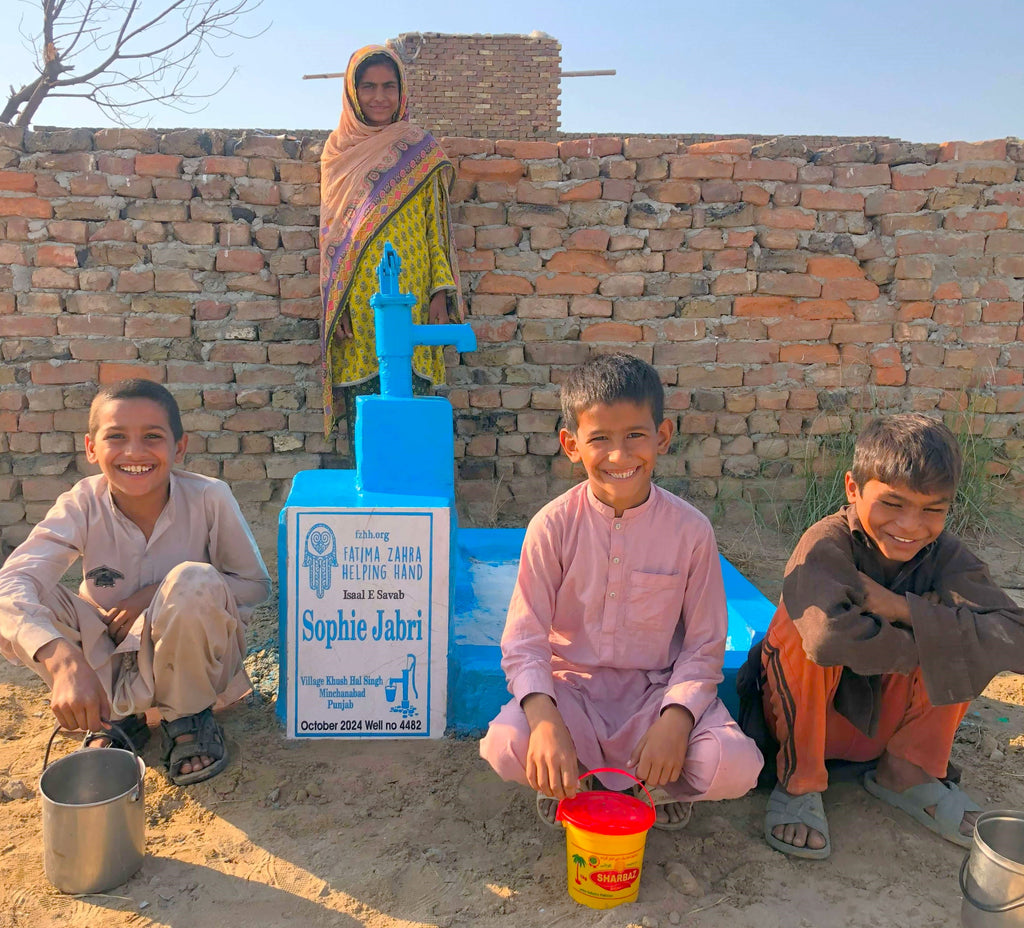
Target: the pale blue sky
pixel 923 71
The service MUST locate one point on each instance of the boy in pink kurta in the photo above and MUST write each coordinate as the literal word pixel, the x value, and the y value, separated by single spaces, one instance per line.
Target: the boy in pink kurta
pixel 616 630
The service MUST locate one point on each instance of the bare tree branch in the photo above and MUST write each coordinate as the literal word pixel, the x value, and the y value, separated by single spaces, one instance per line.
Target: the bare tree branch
pixel 121 56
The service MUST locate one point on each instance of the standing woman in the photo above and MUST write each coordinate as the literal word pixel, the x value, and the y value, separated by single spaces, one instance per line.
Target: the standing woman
pixel 382 179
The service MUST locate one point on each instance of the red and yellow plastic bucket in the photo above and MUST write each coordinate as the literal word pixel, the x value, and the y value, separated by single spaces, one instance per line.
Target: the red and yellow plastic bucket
pixel 605 834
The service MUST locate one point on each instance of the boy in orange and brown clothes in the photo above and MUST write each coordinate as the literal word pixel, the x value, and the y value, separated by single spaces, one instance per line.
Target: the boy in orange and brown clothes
pixel 888 626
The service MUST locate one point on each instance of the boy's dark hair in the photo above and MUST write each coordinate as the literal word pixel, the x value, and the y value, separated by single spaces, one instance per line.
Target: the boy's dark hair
pixel 377 58
pixel 607 379
pixel 137 389
pixel 910 449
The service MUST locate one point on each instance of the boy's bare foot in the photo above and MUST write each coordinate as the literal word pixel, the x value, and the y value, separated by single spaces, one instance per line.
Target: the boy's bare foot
pixel 672 815
pixel 798 834
pixel 898 775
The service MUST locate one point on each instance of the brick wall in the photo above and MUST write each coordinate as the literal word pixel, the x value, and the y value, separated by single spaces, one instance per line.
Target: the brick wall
pixel 487 86
pixel 780 292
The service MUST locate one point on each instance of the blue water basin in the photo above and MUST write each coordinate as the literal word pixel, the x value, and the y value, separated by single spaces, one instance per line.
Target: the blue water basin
pixel 486 561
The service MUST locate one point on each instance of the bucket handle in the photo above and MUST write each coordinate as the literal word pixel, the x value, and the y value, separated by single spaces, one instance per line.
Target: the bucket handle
pixel 114 733
pixel 626 773
pixel 984 906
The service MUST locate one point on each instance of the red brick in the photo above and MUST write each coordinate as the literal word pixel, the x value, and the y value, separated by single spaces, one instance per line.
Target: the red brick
pixel 565 283
pixel 89 185
pixel 785 217
pixel 861 175
pixel 920 177
pixel 675 191
pixel 54 278
pixel 27 326
pixel 109 326
pixel 12 254
pixel 1008 197
pixel 941 243
pixel 155 165
pixel 1005 243
pixel 477 260
pixel 1009 265
pixel 503 283
pixel 18 181
pixel 894 201
pixel 768 306
pixel 622 285
pixel 250 261
pixel 822 309
pixel 152 326
pixel 843 333
pixel 684 262
pixel 45 489
pixel 799 330
pixel 618 189
pixel 259 193
pixel 102 349
pixel 1002 312
pixel 849 289
pixel 526 150
pixel 174 280
pixel 299 288
pixel 740 147
pixel 975 221
pixel 48 303
pixel 583 262
pixel 779 283
pixel 747 353
pixel 29 207
pixel 611 332
pixel 588 240
pixel 67 231
pixel 508 170
pixel 752 193
pixel 112 372
pixel 63 372
pixel 239 352
pixel 588 190
pixel 834 266
pixel 987 174
pixel 262 420
pixel 134 281
pixel 809 354
pixel 831 200
pixel 700 167
pixel 765 169
pixel 725 284
pixel 729 259
pixel 589 148
pixel 994 150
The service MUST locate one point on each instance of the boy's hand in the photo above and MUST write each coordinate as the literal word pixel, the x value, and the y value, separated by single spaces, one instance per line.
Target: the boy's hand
pixel 551 765
pixel 77 698
pixel 120 618
pixel 886 604
pixel 661 752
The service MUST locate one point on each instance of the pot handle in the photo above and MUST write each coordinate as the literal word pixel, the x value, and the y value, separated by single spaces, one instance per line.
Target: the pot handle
pixel 625 773
pixel 984 906
pixel 114 733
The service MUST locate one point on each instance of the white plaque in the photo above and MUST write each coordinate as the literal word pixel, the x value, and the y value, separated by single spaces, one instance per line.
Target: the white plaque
pixel 367 622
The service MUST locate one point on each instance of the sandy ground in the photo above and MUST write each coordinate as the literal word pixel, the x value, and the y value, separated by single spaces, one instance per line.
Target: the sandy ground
pixel 399 833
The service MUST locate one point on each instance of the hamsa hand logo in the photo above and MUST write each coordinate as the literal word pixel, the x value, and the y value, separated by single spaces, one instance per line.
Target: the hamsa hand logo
pixel 320 555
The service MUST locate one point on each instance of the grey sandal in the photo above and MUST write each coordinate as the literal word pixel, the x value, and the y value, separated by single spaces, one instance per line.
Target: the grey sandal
pixel 808 810
pixel 207 740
